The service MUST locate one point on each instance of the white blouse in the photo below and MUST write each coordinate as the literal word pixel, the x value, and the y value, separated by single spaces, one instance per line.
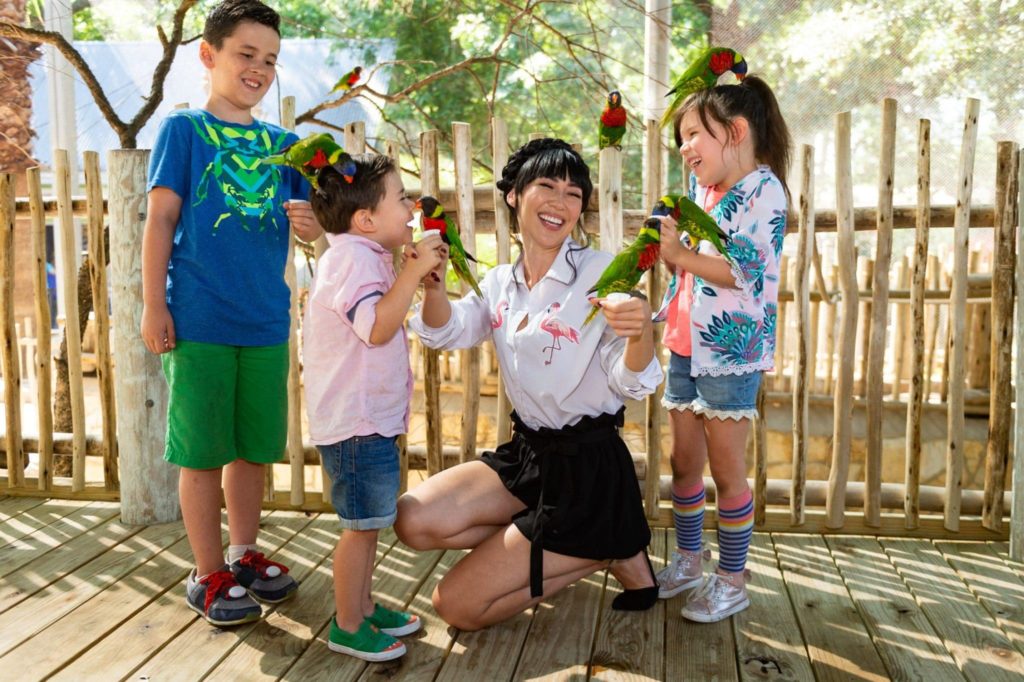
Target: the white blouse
pixel 556 370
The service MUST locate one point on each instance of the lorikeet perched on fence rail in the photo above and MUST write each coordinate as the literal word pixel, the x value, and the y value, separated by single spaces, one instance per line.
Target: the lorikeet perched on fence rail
pixel 613 122
pixel 435 218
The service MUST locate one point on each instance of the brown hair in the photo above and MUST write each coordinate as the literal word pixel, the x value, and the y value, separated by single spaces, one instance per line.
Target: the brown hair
pixel 225 17
pixel 336 200
pixel 753 100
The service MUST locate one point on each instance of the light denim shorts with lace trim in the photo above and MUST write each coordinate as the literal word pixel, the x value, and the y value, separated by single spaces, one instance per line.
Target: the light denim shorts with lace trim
pixel 728 396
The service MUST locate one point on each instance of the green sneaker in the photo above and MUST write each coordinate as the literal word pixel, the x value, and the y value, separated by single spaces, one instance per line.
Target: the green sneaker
pixel 367 643
pixel 394 623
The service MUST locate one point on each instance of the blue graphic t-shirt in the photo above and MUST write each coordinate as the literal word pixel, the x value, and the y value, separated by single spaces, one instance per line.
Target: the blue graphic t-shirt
pixel 225 279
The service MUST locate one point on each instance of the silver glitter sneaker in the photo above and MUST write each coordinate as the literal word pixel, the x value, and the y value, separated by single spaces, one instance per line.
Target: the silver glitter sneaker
pixel 684 570
pixel 719 597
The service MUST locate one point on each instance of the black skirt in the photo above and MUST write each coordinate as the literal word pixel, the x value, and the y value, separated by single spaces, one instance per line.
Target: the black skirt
pixel 580 490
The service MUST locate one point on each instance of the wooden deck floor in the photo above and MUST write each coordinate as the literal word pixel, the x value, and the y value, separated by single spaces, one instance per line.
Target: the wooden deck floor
pixel 83 597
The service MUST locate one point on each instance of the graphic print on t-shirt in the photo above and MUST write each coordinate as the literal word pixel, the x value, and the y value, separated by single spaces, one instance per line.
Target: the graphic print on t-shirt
pixel 250 189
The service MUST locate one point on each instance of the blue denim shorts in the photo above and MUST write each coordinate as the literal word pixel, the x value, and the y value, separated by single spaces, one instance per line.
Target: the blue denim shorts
pixel 728 396
pixel 364 480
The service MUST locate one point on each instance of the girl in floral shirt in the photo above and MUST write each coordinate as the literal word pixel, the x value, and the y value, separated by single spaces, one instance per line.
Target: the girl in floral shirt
pixel 721 328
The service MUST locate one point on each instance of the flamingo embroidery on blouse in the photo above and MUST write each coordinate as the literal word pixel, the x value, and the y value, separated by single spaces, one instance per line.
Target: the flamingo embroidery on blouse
pixel 558 330
pixel 497 319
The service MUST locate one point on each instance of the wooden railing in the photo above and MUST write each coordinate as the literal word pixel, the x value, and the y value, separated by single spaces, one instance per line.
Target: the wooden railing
pixel 942 306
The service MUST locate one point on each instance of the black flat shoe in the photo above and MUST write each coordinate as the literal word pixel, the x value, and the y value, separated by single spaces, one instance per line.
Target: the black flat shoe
pixel 639 599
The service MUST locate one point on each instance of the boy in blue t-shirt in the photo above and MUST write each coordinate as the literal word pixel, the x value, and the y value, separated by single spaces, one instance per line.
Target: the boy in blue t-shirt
pixel 216 306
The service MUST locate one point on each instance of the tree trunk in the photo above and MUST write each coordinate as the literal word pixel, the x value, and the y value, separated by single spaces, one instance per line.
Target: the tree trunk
pixel 62 392
pixel 16 105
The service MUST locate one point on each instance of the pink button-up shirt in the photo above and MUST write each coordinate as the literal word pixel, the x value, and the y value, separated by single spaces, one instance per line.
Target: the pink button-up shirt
pixel 353 388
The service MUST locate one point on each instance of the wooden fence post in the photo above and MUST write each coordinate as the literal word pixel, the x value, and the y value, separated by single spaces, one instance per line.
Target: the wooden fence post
pixel 43 350
pixel 654 184
pixel 846 259
pixel 1017 513
pixel 296 457
pixel 801 371
pixel 69 249
pixel 100 298
pixel 8 340
pixel 1000 416
pixel 918 383
pixel 958 307
pixel 149 485
pixel 880 292
pixel 610 198
pixel 430 184
pixel 462 147
pixel 502 235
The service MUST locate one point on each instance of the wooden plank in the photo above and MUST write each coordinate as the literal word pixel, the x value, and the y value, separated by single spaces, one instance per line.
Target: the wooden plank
pixel 8 337
pixel 44 364
pixel 782 321
pixel 768 641
pixel 95 619
pixel 957 316
pixel 1000 391
pixel 920 377
pixel 488 654
pixel 969 632
pixel 426 649
pixel 902 634
pixel 281 637
pixel 715 658
pixel 144 633
pixel 846 259
pixel 11 507
pixel 26 562
pixel 934 316
pixel 22 618
pixel 201 646
pixel 462 149
pixel 36 516
pixel 866 320
pixel 553 651
pixel 839 646
pixel 997 586
pixel 802 372
pixel 831 317
pixel 759 438
pixel 630 645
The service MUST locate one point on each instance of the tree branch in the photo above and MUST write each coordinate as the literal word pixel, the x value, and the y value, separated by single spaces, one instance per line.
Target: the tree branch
pixel 126 131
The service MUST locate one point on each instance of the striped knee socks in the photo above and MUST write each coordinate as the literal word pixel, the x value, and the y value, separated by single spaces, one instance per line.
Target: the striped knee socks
pixel 688 514
pixel 735 526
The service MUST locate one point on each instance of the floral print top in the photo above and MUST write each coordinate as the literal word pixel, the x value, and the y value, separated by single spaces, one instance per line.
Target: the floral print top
pixel 732 331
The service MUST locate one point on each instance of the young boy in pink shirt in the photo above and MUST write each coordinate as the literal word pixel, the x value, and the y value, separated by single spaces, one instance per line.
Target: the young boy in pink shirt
pixel 359 383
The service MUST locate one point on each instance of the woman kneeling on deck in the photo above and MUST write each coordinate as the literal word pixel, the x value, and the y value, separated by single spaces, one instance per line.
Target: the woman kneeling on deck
pixel 561 499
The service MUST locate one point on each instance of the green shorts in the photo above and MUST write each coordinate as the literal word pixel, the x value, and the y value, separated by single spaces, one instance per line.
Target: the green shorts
pixel 226 403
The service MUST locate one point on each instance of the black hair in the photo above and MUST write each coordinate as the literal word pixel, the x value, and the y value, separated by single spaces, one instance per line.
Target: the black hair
pixel 336 200
pixel 752 99
pixel 546 158
pixel 226 16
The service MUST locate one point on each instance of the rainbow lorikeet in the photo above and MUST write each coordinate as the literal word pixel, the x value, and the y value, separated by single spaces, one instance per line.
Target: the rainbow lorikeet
pixel 628 266
pixel 703 73
pixel 348 81
pixel 435 218
pixel 312 153
pixel 613 122
pixel 697 224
